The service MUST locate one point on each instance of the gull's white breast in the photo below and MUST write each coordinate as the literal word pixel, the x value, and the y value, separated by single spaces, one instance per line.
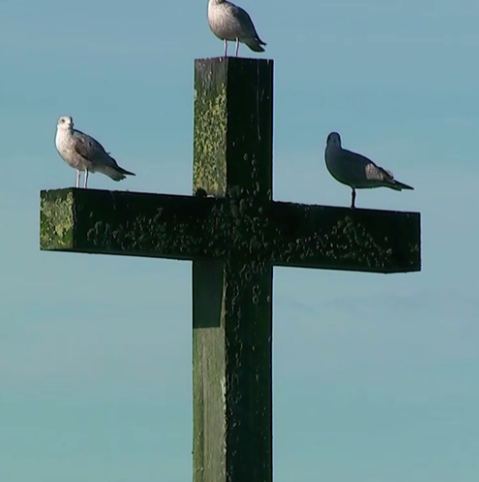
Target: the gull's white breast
pixel 223 23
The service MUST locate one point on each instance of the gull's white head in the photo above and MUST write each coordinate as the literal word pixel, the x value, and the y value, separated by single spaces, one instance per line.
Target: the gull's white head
pixel 65 122
pixel 334 139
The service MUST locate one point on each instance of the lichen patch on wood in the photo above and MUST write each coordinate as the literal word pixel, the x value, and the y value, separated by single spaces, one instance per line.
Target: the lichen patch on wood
pixel 210 128
pixel 56 219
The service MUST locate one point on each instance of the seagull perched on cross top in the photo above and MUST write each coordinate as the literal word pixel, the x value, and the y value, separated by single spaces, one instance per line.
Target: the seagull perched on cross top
pixel 355 170
pixel 231 23
pixel 84 153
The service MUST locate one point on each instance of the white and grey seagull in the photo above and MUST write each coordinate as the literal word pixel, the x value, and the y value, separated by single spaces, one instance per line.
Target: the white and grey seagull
pixel 231 23
pixel 355 170
pixel 84 153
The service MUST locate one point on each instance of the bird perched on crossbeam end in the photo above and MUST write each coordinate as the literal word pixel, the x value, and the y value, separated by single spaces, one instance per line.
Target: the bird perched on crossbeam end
pixel 84 153
pixel 355 170
pixel 231 23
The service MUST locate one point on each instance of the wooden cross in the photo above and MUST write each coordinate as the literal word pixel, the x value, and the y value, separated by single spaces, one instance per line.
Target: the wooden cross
pixel 234 239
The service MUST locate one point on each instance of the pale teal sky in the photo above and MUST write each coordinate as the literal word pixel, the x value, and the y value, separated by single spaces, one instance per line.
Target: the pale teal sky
pixel 375 377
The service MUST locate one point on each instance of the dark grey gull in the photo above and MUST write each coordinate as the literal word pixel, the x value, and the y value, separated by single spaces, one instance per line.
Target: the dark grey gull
pixel 355 170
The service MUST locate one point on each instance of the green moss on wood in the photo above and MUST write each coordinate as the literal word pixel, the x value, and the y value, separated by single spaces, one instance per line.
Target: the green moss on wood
pixel 209 166
pixel 56 219
pixel 186 227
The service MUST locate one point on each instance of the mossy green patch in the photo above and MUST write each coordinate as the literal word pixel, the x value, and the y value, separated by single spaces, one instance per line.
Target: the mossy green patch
pixel 56 219
pixel 209 147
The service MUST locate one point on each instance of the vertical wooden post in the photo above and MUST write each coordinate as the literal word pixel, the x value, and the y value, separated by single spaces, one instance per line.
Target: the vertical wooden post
pixel 232 300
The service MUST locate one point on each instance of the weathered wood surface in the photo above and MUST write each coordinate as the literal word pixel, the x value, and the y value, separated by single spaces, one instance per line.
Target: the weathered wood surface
pixel 193 228
pixel 232 384
pixel 233 434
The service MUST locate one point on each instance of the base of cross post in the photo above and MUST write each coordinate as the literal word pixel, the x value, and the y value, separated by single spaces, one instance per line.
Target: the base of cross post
pixel 232 398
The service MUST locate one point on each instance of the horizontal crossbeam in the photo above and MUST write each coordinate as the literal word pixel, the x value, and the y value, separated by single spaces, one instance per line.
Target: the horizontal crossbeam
pixel 200 228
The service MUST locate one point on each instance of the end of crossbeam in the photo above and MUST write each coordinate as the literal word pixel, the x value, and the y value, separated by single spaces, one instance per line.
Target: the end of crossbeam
pixel 327 237
pixel 125 223
pixel 56 219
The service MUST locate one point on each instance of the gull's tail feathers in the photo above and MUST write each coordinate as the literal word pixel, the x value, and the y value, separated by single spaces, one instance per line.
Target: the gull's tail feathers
pixel 255 44
pixel 392 183
pixel 128 173
pixel 399 186
pixel 115 173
